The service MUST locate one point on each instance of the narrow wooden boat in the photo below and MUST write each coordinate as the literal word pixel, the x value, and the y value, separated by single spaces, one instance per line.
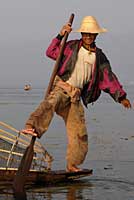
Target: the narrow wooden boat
pixel 45 177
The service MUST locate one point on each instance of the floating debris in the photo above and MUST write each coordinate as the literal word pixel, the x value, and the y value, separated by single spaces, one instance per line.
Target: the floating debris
pixel 27 87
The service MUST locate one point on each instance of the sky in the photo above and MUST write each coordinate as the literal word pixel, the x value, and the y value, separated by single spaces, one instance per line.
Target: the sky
pixel 28 26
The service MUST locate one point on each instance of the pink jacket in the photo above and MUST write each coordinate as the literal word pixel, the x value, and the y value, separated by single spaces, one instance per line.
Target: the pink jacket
pixel 103 78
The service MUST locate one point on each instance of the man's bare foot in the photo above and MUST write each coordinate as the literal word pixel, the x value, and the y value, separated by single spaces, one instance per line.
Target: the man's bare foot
pixel 73 168
pixel 29 131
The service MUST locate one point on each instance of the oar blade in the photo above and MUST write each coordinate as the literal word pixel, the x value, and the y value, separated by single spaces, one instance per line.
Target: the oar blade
pixel 26 161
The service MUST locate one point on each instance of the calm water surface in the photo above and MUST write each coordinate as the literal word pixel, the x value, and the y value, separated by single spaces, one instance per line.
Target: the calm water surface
pixel 111 147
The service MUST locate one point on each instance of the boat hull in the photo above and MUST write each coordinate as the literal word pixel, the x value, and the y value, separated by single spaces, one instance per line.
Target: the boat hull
pixel 45 177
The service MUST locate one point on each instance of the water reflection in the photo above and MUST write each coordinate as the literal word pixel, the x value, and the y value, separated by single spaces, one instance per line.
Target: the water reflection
pixel 68 191
pixel 87 189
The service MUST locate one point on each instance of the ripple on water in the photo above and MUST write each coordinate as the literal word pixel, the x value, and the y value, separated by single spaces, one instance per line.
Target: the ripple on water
pixel 85 189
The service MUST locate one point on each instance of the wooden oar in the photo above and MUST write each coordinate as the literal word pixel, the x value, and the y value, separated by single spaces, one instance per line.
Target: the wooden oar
pixel 20 177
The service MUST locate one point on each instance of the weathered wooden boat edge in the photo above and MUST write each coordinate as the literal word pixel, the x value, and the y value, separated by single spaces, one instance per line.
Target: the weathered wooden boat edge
pixel 45 177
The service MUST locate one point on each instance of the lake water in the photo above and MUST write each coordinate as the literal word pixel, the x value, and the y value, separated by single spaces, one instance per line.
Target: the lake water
pixel 111 147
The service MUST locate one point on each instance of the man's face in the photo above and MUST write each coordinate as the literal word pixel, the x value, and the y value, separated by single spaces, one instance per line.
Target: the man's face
pixel 88 38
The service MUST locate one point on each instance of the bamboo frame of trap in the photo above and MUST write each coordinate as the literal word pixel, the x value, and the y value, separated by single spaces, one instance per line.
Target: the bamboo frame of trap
pixel 12 146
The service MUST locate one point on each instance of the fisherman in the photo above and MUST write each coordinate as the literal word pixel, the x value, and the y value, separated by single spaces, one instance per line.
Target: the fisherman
pixel 83 73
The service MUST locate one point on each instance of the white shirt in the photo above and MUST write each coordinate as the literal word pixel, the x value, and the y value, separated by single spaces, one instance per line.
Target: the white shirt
pixel 83 68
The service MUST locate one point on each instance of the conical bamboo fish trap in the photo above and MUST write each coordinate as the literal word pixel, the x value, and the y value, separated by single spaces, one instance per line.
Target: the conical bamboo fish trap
pixel 12 146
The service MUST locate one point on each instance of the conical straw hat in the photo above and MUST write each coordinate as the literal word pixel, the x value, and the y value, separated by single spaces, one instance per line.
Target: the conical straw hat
pixel 90 25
